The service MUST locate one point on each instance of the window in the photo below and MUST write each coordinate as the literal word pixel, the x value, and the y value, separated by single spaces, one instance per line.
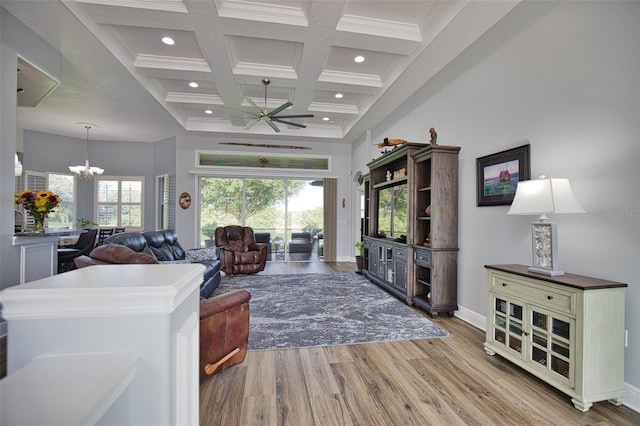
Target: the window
pixel 119 201
pixel 278 207
pixel 64 185
pixel 165 191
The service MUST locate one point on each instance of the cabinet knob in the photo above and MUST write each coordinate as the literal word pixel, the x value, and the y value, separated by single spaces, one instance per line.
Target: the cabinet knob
pixel 504 284
pixel 549 297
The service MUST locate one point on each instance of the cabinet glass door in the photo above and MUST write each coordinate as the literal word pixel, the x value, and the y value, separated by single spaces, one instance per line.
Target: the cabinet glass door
pixel 508 324
pixel 551 343
pixel 388 272
pixel 400 274
pixel 373 259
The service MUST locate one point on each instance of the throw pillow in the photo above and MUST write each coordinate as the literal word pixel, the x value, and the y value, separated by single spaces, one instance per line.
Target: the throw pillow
pixel 115 253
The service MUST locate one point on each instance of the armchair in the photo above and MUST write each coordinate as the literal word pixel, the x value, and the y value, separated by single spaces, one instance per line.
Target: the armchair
pixel 224 331
pixel 300 246
pixel 239 252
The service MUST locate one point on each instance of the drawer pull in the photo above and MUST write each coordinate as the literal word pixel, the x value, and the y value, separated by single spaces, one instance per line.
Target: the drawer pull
pixel 549 297
pixel 504 284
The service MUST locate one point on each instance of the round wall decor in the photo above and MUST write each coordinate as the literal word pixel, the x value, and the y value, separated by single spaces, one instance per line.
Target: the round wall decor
pixel 185 200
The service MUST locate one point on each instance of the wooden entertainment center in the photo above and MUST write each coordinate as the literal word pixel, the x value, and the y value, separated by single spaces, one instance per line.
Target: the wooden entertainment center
pixel 412 191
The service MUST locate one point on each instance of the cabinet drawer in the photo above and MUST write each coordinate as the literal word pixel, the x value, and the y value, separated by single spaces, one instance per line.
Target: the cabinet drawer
pixel 423 258
pixel 548 296
pixel 400 253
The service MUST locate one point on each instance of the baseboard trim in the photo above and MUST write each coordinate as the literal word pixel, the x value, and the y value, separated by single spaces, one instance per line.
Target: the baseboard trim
pixel 632 398
pixel 471 317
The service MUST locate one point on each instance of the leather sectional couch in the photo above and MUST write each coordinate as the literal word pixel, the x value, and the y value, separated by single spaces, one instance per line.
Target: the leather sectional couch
pixel 155 247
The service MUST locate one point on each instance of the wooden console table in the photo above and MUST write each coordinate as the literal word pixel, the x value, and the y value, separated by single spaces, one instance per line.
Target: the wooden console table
pixel 567 330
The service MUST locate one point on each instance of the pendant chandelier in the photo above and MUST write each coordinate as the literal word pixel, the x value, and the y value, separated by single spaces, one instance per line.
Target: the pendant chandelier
pixel 86 171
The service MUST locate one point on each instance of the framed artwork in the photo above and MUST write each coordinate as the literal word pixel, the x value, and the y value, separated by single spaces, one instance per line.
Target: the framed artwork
pixel 498 175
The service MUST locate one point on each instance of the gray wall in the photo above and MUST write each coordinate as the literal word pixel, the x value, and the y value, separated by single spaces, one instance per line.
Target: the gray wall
pixel 340 153
pixel 15 39
pixel 563 77
pixel 44 152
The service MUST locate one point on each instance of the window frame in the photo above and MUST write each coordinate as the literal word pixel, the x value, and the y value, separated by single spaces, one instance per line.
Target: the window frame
pixel 119 204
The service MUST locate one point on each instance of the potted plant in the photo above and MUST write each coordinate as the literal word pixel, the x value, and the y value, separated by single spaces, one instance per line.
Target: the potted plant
pixel 360 257
pixel 85 223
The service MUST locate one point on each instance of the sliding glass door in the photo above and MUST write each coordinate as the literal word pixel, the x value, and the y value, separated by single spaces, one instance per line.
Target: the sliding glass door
pixel 287 213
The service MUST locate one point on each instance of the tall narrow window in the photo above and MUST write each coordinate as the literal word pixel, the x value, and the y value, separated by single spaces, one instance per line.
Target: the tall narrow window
pixel 162 201
pixel 64 185
pixel 119 201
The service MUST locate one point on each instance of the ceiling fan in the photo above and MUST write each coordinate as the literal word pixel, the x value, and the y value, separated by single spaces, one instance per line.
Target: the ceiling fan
pixel 263 115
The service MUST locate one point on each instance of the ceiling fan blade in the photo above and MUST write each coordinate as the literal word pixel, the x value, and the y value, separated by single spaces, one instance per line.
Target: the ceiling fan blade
pixel 253 104
pixel 237 110
pixel 273 125
pixel 280 108
pixel 294 116
pixel 290 123
pixel 253 124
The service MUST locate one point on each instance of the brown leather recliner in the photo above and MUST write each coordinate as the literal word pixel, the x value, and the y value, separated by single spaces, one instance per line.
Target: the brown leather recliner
pixel 224 319
pixel 239 252
pixel 224 331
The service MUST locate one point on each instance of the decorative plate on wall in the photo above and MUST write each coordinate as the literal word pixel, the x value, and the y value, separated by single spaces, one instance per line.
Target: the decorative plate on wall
pixel 185 200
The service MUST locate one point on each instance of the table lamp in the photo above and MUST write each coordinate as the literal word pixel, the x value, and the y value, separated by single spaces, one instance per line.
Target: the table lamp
pixel 539 197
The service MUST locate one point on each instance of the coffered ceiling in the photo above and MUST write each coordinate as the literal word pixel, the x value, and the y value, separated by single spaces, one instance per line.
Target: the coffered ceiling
pixel 117 71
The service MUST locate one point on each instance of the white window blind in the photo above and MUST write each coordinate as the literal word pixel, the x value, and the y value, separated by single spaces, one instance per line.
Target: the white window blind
pixel 35 181
pixel 120 201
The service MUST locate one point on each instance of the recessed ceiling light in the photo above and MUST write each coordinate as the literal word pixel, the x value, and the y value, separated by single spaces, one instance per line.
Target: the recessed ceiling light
pixel 208 111
pixel 193 84
pixel 359 59
pixel 168 41
pixel 325 119
pixel 338 95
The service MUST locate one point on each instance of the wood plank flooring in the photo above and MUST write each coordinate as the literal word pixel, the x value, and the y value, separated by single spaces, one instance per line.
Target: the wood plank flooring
pixel 448 381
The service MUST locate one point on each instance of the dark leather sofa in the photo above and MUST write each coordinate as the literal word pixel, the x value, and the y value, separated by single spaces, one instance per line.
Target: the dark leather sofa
pixel 163 247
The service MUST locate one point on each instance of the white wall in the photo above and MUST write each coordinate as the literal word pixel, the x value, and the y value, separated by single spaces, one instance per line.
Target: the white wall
pixel 565 78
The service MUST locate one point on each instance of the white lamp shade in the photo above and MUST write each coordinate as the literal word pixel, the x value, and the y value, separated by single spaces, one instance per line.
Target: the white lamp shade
pixel 541 196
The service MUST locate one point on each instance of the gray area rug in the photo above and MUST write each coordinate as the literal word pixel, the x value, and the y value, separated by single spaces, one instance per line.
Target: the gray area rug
pixel 294 311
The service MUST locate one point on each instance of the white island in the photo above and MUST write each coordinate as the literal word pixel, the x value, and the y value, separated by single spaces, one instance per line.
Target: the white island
pixel 138 325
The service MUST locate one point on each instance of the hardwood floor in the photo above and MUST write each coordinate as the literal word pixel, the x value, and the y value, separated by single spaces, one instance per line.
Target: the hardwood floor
pixel 448 381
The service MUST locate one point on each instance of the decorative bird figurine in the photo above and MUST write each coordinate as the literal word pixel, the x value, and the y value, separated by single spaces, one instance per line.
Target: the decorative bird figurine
pixel 434 136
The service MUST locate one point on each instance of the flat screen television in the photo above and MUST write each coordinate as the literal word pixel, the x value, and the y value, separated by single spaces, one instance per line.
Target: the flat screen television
pixel 393 211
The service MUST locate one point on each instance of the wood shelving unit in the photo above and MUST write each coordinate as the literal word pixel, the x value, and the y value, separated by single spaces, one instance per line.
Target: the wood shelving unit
pixel 422 271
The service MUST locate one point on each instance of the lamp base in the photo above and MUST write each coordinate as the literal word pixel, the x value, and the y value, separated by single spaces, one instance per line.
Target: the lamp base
pixel 551 272
pixel 544 248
